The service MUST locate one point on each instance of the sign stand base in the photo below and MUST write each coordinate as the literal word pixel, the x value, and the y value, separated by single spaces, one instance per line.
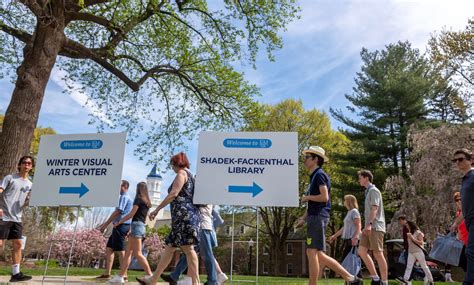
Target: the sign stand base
pixel 54 240
pixel 232 251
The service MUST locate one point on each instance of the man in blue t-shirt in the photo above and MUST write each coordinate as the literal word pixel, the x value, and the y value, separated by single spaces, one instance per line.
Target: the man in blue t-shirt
pixel 318 197
pixel 116 242
pixel 464 162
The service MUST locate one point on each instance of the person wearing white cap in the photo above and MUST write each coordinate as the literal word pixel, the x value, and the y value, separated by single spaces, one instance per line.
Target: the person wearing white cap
pixel 318 197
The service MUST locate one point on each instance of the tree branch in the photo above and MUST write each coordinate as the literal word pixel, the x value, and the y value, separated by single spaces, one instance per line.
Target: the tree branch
pixel 81 16
pixel 88 3
pixel 150 10
pixel 34 7
pixel 21 35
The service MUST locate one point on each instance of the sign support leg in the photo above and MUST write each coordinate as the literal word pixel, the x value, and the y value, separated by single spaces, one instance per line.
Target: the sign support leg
pixel 73 243
pixel 232 248
pixel 51 244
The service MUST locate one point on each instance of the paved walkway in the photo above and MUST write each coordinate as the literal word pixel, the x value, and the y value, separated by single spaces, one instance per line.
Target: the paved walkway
pixel 70 280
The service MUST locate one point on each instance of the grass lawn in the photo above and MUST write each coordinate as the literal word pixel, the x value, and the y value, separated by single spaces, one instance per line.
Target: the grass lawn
pixel 238 279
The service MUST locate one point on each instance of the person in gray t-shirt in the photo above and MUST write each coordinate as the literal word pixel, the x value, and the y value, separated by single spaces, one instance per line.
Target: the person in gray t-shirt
pixel 15 191
pixel 374 229
pixel 351 229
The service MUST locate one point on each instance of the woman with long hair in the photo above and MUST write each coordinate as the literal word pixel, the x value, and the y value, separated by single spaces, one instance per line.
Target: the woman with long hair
pixel 415 253
pixel 351 229
pixel 185 222
pixel 141 206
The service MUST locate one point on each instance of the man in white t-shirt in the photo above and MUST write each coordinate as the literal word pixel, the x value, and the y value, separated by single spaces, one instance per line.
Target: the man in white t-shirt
pixel 15 191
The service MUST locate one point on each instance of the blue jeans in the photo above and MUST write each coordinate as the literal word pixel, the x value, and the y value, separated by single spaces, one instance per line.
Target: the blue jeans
pixel 205 250
pixel 469 276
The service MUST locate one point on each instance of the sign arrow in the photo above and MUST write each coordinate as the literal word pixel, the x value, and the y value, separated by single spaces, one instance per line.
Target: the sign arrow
pixel 254 189
pixel 82 190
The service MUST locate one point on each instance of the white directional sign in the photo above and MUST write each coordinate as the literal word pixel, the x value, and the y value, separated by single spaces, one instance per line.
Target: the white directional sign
pixel 79 170
pixel 248 169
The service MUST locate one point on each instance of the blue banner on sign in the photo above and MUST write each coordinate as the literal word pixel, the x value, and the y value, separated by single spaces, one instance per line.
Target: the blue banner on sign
pixel 248 143
pixel 81 144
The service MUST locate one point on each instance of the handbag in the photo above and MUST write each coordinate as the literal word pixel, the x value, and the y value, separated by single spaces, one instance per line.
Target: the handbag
pixel 352 262
pixel 403 257
pixel 447 249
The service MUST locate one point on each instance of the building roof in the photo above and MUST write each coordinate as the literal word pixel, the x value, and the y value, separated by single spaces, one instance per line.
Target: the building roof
pixel 154 173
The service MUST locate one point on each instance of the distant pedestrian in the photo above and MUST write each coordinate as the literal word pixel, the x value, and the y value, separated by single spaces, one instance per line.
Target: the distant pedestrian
pixel 402 221
pixel 415 253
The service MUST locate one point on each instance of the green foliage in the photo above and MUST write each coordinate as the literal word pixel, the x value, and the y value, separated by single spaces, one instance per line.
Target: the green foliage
pixel 389 96
pixel 159 69
pixel 452 54
pixel 162 231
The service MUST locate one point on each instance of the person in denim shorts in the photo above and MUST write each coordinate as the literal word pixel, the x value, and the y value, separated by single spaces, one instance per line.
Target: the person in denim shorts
pixel 316 217
pixel 141 206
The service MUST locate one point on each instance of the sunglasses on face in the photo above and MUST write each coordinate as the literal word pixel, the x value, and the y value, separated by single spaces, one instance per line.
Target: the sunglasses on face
pixel 458 200
pixel 307 156
pixel 459 159
pixel 26 162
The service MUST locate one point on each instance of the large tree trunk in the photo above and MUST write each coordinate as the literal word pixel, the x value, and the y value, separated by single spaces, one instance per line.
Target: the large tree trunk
pixel 33 75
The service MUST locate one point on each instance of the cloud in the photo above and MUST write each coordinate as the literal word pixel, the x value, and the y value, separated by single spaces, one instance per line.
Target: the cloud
pixel 58 77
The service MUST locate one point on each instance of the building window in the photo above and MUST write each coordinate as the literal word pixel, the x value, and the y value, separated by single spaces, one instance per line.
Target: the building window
pixel 227 230
pixel 242 229
pixel 289 249
pixel 265 250
pixel 289 268
pixel 264 268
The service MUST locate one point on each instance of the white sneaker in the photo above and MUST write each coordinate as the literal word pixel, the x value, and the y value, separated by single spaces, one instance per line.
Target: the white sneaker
pixel 221 278
pixel 185 281
pixel 116 279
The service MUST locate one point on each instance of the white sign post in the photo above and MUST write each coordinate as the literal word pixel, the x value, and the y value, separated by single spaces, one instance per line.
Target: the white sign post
pixel 247 169
pixel 79 170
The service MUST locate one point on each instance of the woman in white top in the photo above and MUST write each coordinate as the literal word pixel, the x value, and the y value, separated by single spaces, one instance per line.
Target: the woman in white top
pixel 351 229
pixel 415 253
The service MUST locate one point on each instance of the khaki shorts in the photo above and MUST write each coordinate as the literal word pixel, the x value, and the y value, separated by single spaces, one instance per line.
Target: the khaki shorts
pixel 373 241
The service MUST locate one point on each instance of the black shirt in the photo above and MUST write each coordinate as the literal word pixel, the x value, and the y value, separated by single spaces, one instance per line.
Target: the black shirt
pixel 142 211
pixel 319 178
pixel 467 198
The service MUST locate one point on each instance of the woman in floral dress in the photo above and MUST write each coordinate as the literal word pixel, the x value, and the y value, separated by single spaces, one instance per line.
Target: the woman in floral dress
pixel 185 221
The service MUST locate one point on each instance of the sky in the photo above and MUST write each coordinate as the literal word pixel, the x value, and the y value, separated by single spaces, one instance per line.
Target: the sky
pixel 317 64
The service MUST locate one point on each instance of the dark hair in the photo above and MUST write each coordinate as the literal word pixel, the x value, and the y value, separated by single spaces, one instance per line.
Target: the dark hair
pixel 180 160
pixel 320 160
pixel 402 217
pixel 412 226
pixel 367 174
pixel 467 153
pixel 26 157
pixel 142 194
pixel 125 182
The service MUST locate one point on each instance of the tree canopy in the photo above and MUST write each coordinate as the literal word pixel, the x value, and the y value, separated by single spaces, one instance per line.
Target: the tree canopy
pixel 163 69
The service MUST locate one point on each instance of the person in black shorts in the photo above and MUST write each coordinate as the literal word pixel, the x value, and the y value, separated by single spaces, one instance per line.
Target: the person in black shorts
pixel 116 242
pixel 15 191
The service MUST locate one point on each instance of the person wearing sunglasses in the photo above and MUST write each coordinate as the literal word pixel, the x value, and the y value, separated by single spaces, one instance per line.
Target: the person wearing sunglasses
pixel 316 217
pixel 15 190
pixel 463 160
